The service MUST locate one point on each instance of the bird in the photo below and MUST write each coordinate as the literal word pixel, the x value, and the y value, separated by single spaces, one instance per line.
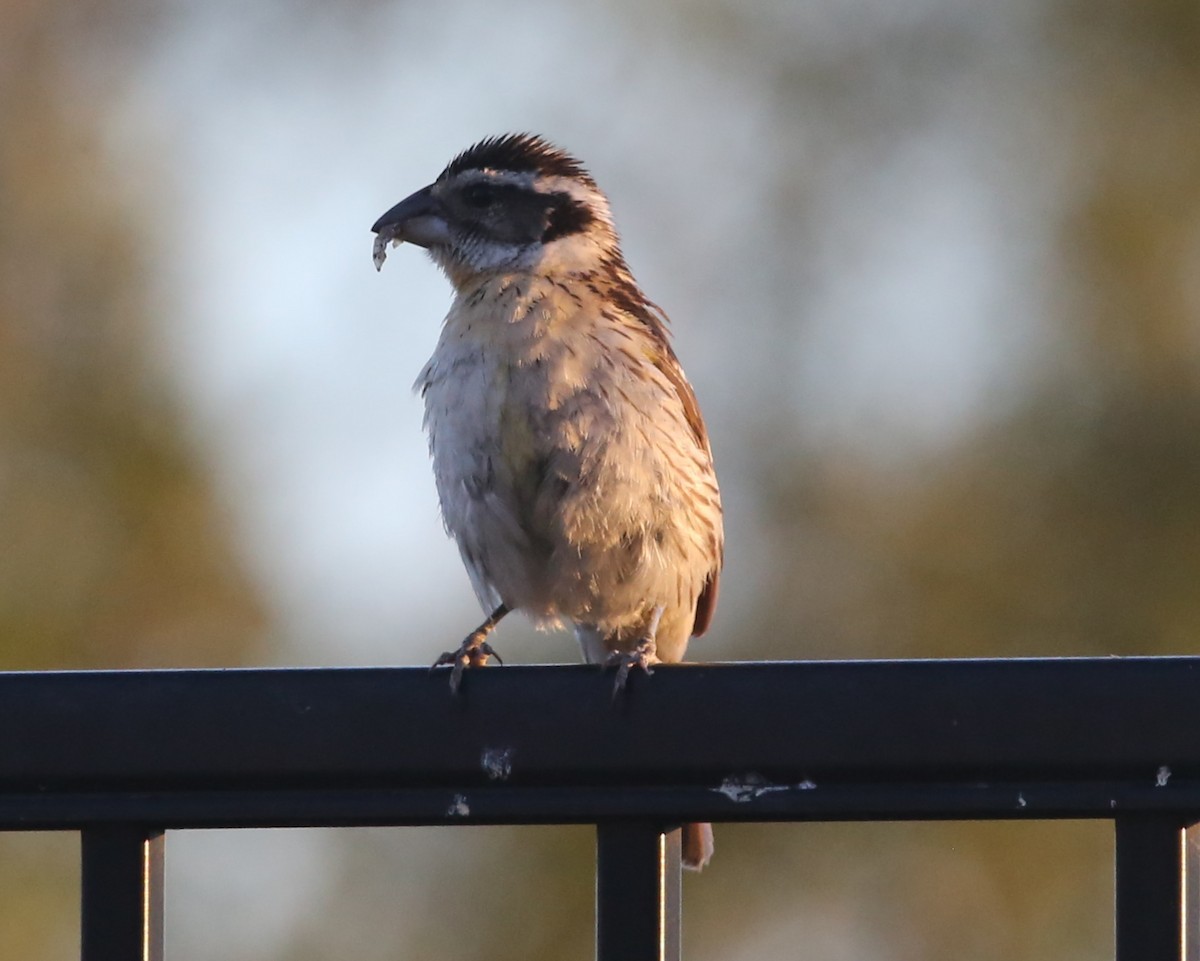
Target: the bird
pixel 572 464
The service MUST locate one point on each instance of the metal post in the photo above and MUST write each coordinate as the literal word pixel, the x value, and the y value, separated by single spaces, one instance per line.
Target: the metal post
pixel 122 881
pixel 1150 889
pixel 1191 893
pixel 637 893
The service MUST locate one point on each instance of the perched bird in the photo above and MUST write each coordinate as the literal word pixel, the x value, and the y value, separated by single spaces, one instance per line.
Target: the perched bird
pixel 571 460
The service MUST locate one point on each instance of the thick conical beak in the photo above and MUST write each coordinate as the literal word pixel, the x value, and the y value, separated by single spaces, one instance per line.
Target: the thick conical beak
pixel 416 219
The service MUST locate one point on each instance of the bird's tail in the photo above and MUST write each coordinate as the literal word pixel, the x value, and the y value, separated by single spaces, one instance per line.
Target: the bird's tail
pixel 697 845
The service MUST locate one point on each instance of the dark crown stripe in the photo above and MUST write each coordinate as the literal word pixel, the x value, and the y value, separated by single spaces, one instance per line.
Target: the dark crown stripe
pixel 518 153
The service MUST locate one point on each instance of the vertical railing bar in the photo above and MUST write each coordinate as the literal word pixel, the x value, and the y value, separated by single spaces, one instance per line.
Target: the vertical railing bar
pixel 121 894
pixel 1150 866
pixel 153 895
pixel 638 890
pixel 1191 893
pixel 670 890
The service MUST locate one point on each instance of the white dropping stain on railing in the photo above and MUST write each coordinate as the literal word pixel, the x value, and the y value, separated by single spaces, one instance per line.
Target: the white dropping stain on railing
pixel 497 763
pixel 747 787
pixel 458 807
pixel 1162 777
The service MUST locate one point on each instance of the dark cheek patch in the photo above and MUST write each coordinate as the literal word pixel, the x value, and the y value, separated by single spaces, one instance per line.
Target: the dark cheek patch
pixel 564 217
pixel 519 216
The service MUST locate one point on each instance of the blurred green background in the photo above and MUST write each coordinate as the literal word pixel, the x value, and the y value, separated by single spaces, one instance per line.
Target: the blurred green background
pixel 935 273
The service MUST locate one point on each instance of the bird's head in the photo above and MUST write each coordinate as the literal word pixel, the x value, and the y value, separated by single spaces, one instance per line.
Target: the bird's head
pixel 511 204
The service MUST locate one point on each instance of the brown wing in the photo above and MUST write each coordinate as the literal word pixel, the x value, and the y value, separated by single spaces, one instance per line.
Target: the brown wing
pixel 665 361
pixel 656 321
pixel 706 606
pixel 668 364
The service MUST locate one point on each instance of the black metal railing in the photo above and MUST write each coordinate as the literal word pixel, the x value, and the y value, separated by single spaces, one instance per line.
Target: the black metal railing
pixel 125 756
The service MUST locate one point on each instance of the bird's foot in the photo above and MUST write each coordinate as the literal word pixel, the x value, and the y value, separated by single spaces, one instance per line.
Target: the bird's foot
pixel 473 652
pixel 644 656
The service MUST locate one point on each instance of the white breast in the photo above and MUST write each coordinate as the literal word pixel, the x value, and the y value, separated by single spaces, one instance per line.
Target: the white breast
pixel 566 469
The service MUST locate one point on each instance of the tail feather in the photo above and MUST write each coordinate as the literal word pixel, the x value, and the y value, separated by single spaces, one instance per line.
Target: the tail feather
pixel 697 845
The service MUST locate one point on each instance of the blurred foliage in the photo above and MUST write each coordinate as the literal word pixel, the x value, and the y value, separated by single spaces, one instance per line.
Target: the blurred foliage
pixel 1072 525
pixel 114 552
pixel 1067 524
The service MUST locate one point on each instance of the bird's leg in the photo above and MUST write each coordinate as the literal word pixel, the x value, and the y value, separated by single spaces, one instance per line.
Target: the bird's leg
pixel 645 655
pixel 474 650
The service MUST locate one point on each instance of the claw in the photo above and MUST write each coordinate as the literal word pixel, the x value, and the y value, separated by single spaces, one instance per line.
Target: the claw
pixel 643 656
pixel 473 652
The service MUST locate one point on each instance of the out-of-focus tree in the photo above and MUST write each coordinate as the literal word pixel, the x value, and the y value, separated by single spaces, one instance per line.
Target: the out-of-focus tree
pixel 116 552
pixel 113 549
pixel 1067 524
pixel 1071 524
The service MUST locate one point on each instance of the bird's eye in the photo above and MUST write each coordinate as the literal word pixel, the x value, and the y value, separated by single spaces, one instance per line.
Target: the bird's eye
pixel 478 194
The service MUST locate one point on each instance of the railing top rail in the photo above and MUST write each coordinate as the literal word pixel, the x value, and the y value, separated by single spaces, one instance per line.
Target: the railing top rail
pixel 1083 737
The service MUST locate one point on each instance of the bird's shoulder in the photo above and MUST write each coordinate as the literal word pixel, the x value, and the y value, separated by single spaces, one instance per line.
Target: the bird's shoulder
pixel 620 298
